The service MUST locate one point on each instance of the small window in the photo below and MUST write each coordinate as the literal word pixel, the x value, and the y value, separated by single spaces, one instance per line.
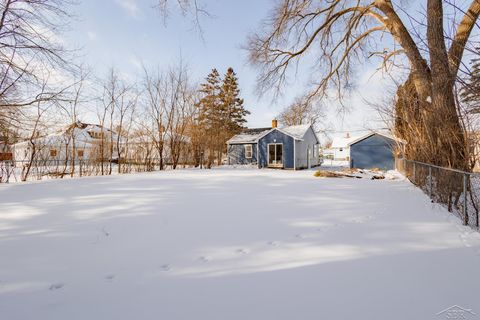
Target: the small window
pixel 53 152
pixel 80 153
pixel 248 151
pixel 341 149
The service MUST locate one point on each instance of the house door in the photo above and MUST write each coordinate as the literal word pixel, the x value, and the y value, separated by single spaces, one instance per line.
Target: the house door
pixel 275 155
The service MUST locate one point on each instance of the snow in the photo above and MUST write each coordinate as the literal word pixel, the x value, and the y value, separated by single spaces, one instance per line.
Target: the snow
pixel 342 142
pixel 251 136
pixel 297 131
pixel 231 244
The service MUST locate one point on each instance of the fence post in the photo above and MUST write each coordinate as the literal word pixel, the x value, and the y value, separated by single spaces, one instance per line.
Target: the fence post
pixel 430 187
pixel 414 171
pixel 465 211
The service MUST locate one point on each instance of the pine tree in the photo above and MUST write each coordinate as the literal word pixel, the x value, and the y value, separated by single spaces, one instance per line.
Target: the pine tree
pixel 234 112
pixel 209 118
pixel 220 113
pixel 209 114
pixel 470 93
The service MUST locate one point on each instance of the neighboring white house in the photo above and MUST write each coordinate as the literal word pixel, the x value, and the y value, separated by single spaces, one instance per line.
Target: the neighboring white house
pixel 77 141
pixel 142 147
pixel 340 148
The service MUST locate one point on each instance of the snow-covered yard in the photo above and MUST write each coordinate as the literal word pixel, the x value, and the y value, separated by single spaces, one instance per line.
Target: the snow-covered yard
pixel 231 244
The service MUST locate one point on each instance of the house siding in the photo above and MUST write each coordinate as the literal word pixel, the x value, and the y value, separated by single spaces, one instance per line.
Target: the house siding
pixel 309 142
pixel 375 151
pixel 276 136
pixel 236 154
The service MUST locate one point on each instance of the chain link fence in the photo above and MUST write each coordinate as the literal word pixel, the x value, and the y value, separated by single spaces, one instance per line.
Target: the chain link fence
pixel 457 190
pixel 15 171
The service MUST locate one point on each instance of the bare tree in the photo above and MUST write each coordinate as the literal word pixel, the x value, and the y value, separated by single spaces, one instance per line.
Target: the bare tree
pixel 341 33
pixel 29 45
pixel 301 112
pixel 155 108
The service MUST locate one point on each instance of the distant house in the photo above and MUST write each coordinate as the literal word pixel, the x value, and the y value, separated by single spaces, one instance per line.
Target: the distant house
pixel 5 150
pixel 77 141
pixel 143 147
pixel 374 150
pixel 340 149
pixel 293 147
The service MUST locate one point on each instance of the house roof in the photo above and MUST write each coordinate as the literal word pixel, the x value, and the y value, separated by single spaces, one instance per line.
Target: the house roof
pixel 253 135
pixel 298 131
pixel 82 132
pixel 342 142
pixel 383 134
pixel 248 136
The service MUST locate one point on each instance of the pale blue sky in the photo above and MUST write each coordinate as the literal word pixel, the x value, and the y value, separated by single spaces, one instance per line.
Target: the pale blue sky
pixel 127 33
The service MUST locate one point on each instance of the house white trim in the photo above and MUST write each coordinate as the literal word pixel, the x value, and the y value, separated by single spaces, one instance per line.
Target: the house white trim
pixel 248 146
pixel 268 155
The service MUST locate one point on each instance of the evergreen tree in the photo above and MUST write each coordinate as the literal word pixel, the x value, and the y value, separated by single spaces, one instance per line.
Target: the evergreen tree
pixel 220 113
pixel 234 112
pixel 209 118
pixel 209 113
pixel 470 93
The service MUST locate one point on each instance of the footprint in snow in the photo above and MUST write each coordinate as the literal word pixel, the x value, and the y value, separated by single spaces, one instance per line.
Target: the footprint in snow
pixel 242 251
pixel 273 243
pixel 56 286
pixel 165 267
pixel 299 236
pixel 109 277
pixel 204 259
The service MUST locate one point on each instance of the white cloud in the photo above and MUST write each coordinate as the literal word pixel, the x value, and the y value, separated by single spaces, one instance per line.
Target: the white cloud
pixel 130 7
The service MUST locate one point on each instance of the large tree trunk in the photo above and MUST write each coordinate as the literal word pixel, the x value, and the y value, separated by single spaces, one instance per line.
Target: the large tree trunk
pixel 426 112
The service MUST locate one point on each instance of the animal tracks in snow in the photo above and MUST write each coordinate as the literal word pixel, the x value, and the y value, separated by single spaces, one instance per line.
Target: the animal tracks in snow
pixel 56 286
pixel 243 251
pixel 204 259
pixel 165 267
pixel 110 277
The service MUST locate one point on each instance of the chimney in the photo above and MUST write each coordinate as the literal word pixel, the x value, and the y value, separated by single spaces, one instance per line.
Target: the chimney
pixel 274 123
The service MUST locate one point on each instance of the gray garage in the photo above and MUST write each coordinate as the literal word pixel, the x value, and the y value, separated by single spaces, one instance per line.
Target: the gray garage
pixel 374 150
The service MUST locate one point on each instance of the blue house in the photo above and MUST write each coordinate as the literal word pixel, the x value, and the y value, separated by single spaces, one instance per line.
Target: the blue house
pixel 293 147
pixel 374 150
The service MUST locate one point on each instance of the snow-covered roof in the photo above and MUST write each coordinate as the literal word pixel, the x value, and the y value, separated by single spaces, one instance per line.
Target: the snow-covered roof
pixel 248 136
pixel 384 134
pixel 253 135
pixel 83 133
pixel 166 136
pixel 342 142
pixel 298 131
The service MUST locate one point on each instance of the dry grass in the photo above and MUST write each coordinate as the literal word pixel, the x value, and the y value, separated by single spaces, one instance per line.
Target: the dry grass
pixel 327 174
pixel 350 170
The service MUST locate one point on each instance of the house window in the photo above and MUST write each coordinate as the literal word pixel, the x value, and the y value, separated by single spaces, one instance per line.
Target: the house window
pixel 248 151
pixel 53 152
pixel 80 153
